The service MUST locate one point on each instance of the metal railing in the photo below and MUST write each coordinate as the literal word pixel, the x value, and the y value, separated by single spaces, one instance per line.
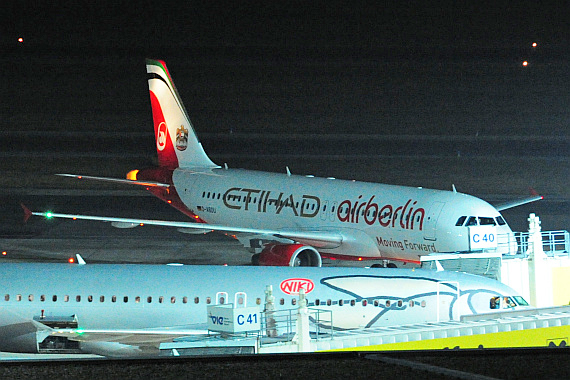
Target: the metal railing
pixel 282 324
pixel 554 243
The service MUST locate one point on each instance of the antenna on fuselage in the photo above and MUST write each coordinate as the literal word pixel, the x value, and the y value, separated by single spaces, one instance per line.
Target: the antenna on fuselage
pixel 288 171
pixel 453 187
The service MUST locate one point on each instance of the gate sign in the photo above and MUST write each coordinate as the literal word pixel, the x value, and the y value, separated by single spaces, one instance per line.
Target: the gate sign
pixel 226 318
pixel 482 237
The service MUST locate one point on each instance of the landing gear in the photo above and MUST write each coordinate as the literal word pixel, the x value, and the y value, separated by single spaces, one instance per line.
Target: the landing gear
pixel 385 265
pixel 255 259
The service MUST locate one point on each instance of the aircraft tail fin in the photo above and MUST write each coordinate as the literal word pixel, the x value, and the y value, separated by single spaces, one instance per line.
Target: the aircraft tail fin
pixel 176 142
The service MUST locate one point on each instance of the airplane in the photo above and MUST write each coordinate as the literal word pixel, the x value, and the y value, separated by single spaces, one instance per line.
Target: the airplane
pixel 122 310
pixel 294 220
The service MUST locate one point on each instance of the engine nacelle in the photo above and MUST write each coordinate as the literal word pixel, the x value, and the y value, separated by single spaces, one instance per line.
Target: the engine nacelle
pixel 293 255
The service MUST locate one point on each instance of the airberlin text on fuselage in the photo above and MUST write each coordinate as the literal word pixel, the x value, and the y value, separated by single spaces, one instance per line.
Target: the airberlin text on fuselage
pixel 406 216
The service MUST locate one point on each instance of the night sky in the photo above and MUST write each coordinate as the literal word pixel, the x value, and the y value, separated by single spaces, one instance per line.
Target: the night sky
pixel 288 27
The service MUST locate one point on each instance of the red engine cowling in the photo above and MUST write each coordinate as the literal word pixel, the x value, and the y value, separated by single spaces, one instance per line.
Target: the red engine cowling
pixel 293 255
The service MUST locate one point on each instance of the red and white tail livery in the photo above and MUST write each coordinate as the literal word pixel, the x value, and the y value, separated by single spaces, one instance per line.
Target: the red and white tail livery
pixel 297 220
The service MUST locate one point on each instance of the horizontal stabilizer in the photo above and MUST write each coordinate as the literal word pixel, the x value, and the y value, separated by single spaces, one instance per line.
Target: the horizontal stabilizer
pixel 117 180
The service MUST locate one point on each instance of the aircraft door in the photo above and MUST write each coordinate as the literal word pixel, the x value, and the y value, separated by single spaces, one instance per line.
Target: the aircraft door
pixel 447 298
pixel 324 210
pixel 221 298
pixel 430 221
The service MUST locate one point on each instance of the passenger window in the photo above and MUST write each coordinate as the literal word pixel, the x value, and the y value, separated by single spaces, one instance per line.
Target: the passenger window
pixel 471 222
pixel 114 299
pixel 208 300
pixel 31 297
pixel 352 302
pixel 54 298
pixel 388 303
pixel 137 299
pixel 376 303
pixel 7 297
pixel 294 301
pixel 460 221
pixel 126 299
pixel 364 302
pixel 329 302
pixel 89 298
pixel 149 299
pixel 18 297
pixel 77 298
pixel 400 303
pixel 65 298
pixel 423 304
pixel 102 299
pixel 184 299
pixel 340 302
pixel 258 301
pixel 317 302
pixel 172 299
pixel 282 301
pixel 42 297
pixel 411 304
pixel 161 298
pixel 196 299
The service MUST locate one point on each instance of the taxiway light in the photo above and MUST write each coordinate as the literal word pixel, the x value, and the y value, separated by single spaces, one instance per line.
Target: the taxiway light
pixel 525 63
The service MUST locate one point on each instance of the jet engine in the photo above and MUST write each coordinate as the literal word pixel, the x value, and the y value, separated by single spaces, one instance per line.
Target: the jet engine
pixel 293 255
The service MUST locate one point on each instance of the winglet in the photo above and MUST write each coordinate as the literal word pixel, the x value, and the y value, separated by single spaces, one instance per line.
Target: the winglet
pixel 27 212
pixel 80 260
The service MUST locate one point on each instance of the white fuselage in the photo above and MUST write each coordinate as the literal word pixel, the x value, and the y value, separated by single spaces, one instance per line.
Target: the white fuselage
pixel 376 220
pixel 119 298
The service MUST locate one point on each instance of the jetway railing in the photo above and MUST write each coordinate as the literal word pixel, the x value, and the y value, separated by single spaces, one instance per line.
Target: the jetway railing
pixel 554 243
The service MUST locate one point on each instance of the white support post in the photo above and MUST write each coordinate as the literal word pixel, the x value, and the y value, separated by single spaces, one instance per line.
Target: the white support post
pixel 539 271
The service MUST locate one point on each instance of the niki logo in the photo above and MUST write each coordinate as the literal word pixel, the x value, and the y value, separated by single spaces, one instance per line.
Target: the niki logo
pixel 161 136
pixel 293 285
pixel 181 138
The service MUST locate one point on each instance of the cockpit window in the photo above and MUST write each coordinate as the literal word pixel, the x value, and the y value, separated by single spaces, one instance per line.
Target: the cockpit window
pixel 471 222
pixel 483 221
pixel 507 302
pixel 460 221
pixel 521 301
pixel 500 221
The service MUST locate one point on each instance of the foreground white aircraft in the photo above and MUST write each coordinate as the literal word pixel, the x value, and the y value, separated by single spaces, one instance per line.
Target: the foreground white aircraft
pixel 125 310
pixel 297 220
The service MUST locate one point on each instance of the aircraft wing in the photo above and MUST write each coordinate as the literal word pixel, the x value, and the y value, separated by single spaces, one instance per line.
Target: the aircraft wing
pixel 317 239
pixel 534 196
pixel 132 337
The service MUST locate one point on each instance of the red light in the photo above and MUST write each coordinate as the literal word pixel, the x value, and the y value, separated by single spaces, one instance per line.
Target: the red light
pixel 360 259
pixel 74 218
pixel 169 201
pixel 525 63
pixel 4 253
pixel 79 176
pixel 534 44
pixel 20 40
pixel 141 224
pixel 71 260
